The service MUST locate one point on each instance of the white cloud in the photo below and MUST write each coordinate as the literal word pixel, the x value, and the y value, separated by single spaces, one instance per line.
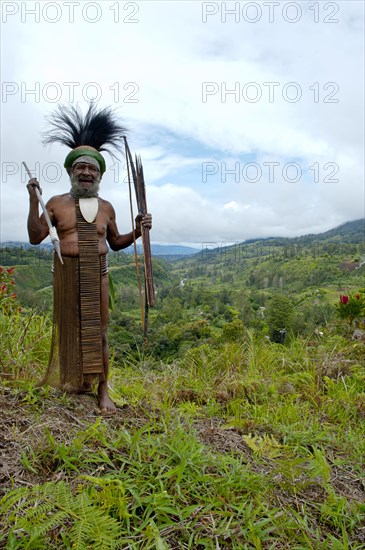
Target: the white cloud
pixel 161 62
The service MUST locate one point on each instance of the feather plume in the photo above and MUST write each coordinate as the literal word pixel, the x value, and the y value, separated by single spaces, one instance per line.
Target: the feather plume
pixel 100 129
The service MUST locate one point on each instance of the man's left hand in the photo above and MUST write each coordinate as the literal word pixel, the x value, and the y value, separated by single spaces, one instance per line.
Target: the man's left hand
pixel 144 221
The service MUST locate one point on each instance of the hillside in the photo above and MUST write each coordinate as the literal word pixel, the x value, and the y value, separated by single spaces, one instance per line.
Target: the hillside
pixel 16 251
pixel 240 445
pixel 170 251
pixel 335 258
pixel 197 295
pixel 240 422
pixel 349 232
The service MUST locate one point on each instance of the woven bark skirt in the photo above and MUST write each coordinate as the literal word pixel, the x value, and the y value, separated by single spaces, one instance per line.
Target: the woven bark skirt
pixel 76 357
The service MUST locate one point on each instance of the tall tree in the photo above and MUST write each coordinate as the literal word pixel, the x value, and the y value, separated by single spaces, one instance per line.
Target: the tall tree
pixel 280 313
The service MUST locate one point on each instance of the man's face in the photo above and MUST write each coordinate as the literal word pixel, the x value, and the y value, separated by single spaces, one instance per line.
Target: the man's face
pixel 85 180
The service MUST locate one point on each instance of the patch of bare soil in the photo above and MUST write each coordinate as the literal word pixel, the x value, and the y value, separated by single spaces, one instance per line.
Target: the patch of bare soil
pixel 224 440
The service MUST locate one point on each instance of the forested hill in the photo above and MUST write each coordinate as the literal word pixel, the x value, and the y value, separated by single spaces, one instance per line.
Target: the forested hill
pixel 349 232
pixel 347 238
pixel 335 258
pixel 352 232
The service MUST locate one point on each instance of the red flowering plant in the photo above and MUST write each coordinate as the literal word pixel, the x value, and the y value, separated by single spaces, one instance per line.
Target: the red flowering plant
pixel 351 306
pixel 8 300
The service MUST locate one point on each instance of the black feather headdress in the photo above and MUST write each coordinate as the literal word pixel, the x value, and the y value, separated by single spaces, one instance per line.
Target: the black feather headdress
pixel 98 130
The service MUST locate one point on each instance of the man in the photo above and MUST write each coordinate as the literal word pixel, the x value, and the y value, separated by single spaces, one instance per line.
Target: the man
pixel 85 223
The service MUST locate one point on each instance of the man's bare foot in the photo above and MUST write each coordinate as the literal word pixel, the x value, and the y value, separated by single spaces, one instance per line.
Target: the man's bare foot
pixel 105 403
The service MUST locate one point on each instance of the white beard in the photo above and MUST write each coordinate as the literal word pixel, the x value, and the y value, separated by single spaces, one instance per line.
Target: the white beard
pixel 79 192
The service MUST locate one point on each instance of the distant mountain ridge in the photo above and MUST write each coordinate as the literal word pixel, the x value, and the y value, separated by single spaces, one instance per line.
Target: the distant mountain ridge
pixel 349 232
pixel 156 249
pixel 165 250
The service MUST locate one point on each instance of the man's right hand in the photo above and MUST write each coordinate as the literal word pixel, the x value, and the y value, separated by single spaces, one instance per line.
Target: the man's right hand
pixel 32 184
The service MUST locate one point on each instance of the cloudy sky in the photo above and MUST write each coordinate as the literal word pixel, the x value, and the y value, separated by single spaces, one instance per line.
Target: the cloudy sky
pixel 248 115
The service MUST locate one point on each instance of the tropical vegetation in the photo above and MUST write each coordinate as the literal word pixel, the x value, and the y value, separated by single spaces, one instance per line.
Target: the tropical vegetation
pixel 240 423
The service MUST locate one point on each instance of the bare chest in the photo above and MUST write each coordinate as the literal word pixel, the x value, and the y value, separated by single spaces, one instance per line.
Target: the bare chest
pixel 66 221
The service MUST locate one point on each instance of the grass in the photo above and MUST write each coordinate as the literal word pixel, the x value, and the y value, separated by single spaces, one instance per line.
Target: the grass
pixel 24 345
pixel 245 445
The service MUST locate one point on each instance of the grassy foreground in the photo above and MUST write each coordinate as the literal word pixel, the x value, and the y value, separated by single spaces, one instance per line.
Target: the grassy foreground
pixel 245 445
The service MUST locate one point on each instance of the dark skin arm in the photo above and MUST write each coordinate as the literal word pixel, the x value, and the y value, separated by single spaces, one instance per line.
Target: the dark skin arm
pixel 117 241
pixel 37 226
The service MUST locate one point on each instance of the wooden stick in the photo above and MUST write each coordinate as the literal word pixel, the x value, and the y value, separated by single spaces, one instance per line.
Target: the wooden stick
pixel 140 189
pixel 145 235
pixel 52 230
pixel 135 247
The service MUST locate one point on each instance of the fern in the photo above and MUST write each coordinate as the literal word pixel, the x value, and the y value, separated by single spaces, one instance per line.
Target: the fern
pixel 109 494
pixel 37 517
pixel 266 446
